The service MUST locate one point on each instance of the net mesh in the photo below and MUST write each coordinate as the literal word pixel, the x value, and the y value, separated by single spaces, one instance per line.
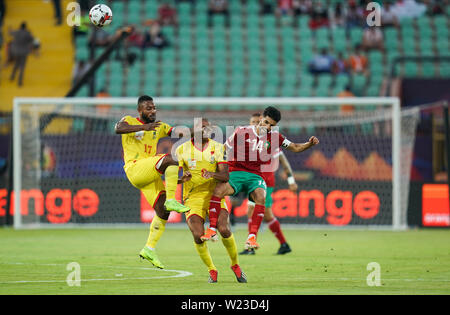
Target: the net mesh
pixel 72 163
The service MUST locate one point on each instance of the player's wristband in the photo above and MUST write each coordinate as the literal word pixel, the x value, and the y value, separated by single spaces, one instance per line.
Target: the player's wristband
pixel 291 180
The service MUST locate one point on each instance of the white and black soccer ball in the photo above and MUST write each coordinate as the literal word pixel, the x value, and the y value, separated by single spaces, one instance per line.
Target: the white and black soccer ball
pixel 100 15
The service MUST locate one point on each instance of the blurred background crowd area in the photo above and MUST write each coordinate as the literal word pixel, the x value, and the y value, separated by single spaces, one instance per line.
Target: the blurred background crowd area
pixel 238 48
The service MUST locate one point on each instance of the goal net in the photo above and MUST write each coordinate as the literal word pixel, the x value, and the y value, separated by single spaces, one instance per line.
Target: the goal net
pixel 68 164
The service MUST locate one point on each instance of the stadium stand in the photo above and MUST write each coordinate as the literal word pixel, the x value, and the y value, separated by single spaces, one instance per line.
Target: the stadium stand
pixel 258 55
pixel 49 72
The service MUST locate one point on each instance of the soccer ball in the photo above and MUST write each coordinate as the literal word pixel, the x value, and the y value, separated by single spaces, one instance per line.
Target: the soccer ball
pixel 100 15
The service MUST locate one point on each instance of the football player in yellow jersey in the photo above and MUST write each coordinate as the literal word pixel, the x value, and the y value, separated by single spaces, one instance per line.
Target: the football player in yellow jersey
pixel 144 169
pixel 202 160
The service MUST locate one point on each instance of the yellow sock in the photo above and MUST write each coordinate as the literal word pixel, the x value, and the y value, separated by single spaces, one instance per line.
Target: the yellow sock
pixel 171 176
pixel 156 230
pixel 230 245
pixel 203 252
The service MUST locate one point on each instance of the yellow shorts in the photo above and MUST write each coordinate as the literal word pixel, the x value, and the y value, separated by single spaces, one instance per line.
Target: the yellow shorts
pixel 199 205
pixel 143 175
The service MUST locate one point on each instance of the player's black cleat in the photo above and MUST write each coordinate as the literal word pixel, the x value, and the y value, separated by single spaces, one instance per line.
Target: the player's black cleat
pixel 284 249
pixel 250 251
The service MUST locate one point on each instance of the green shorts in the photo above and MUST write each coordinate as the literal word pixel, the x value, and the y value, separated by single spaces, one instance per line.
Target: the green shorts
pixel 245 182
pixel 269 200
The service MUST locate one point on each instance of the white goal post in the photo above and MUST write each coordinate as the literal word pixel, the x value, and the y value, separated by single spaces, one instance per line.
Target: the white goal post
pixel 169 103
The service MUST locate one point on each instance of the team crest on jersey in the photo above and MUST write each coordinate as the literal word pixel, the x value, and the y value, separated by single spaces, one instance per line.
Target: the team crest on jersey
pixel 213 159
pixel 267 145
pixel 192 163
pixel 139 135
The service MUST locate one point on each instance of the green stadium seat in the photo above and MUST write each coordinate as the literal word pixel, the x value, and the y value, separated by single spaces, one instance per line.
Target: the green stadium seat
pixel 183 88
pixel 409 46
pixel 253 89
pixel 304 91
pixel 324 80
pixel 342 80
pixel 252 7
pixel 356 36
pixel 407 31
pixel 426 48
pixel 270 90
pixel 373 91
pixel 444 69
pixel 236 89
pixel 428 69
pixel 410 69
pixel 376 79
pixel 358 83
pixel 219 90
pixel 303 22
pixel 306 81
pixel 287 90
pixel 441 22
pixel 442 47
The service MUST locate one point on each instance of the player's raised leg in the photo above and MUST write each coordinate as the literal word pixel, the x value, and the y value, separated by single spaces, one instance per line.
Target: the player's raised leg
pixel 157 228
pixel 230 245
pixel 221 190
pixel 169 167
pixel 195 223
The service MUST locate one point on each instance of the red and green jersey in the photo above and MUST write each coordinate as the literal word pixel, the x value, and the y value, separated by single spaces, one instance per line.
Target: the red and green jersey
pixel 250 152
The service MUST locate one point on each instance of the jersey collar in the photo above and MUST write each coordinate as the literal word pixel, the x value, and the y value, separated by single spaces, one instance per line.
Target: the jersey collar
pixel 202 149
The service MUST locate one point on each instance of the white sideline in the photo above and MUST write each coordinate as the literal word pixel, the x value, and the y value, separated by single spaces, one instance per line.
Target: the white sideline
pixel 179 274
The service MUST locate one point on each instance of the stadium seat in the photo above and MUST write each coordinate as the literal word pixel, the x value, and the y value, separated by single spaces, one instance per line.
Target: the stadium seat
pixel 428 69
pixel 444 69
pixel 272 58
pixel 410 69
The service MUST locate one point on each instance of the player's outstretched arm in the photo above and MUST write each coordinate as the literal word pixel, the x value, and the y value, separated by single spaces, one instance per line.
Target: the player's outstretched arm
pixel 300 147
pixel 122 127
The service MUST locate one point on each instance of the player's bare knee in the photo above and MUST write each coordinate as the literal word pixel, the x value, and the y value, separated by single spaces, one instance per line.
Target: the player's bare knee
pixel 224 230
pixel 259 197
pixel 268 215
pixel 167 161
pixel 162 213
pixel 197 236
pixel 160 210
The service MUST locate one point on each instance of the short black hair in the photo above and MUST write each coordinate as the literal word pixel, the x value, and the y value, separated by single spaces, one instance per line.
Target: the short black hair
pixel 144 98
pixel 273 113
pixel 256 115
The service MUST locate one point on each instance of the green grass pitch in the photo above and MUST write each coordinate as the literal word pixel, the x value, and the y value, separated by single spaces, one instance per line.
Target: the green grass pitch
pixel 322 262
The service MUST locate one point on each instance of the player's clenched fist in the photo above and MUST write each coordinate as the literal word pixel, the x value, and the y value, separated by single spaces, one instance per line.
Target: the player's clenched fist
pixel 313 141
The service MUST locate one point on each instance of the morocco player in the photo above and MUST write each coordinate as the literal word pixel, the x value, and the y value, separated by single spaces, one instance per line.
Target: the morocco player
pixel 249 150
pixel 144 168
pixel 269 178
pixel 203 162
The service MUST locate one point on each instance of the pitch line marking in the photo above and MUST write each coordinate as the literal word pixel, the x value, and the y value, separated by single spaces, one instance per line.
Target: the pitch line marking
pixel 180 274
